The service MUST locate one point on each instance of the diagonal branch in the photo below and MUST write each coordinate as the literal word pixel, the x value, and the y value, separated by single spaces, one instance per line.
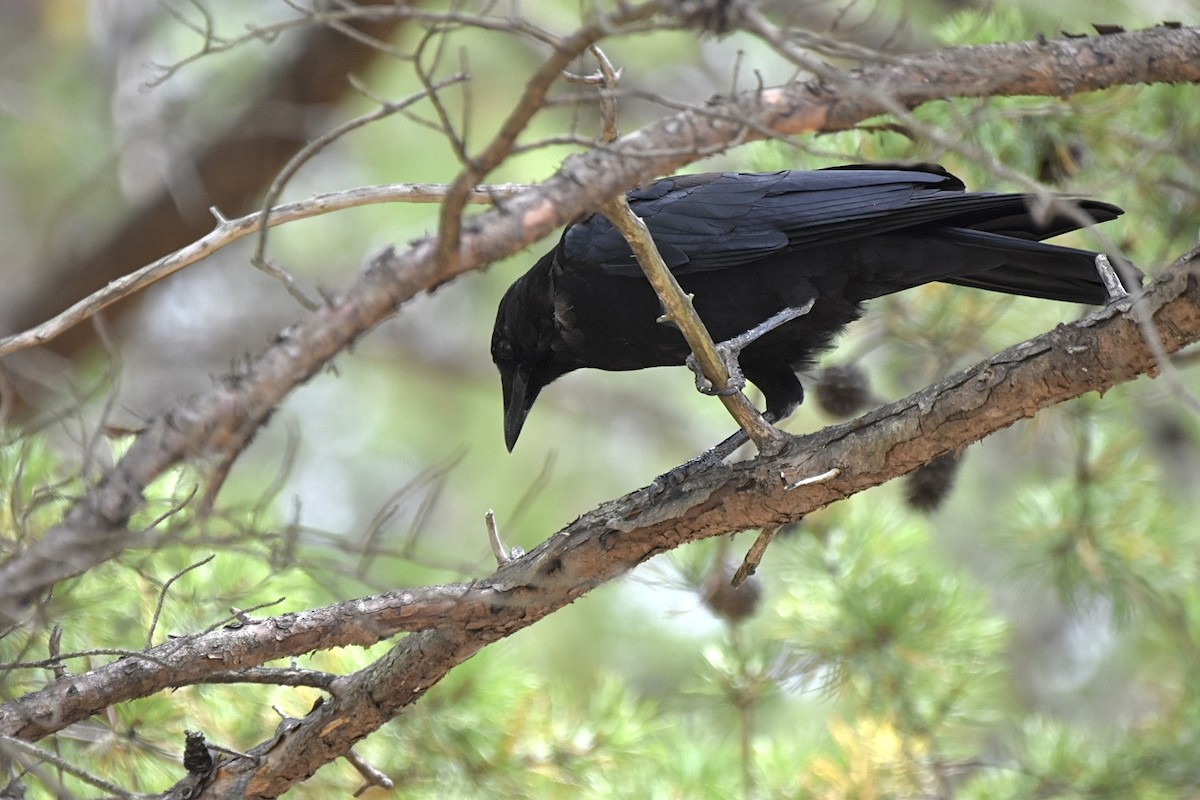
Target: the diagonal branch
pixel 229 231
pixel 680 311
pixel 532 100
pixel 1094 354
pixel 450 623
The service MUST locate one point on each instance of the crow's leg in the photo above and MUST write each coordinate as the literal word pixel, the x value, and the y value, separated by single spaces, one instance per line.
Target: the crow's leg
pixel 730 350
pixel 714 455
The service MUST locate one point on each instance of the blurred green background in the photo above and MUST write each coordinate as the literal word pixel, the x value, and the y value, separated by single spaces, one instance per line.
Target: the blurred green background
pixel 1034 636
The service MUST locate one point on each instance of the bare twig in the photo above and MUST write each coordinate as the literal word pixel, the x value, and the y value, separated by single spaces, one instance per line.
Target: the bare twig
pixel 532 101
pixel 607 78
pixel 754 555
pixel 371 775
pixel 229 231
pixel 827 475
pixel 17 746
pixel 679 309
pixel 337 20
pixel 444 125
pixel 58 658
pixel 305 153
pixel 55 647
pixel 162 596
pixel 503 554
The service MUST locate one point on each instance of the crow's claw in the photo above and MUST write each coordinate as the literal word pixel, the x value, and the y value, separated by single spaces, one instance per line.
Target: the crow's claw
pixel 731 350
pixel 674 480
pixel 737 381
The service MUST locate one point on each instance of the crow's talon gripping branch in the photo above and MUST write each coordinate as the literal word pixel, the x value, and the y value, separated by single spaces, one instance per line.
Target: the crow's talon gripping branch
pixel 671 482
pixel 737 381
pixel 731 350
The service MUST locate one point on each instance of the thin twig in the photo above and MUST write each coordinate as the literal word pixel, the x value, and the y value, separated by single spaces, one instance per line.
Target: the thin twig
pixel 304 154
pixel 444 126
pixel 55 648
pixel 162 596
pixel 606 78
pixel 371 775
pixel 503 554
pixel 337 20
pixel 25 748
pixel 229 231
pixel 754 556
pixel 681 312
pixel 531 101
pixel 100 651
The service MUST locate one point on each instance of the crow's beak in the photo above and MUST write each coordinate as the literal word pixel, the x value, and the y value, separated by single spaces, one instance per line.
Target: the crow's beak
pixel 519 394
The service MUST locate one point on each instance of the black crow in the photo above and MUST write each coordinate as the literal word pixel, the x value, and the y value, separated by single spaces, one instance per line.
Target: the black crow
pixel 748 246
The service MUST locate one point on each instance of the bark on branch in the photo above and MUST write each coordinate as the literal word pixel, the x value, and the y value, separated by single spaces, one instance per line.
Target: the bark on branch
pixel 1095 354
pixel 448 624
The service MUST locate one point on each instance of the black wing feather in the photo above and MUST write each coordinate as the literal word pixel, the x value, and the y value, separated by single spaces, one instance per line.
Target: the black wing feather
pixel 714 221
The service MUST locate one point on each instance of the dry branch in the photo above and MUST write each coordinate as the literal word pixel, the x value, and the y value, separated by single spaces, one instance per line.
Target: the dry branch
pixel 229 231
pixel 452 622
pixel 679 311
pixel 232 168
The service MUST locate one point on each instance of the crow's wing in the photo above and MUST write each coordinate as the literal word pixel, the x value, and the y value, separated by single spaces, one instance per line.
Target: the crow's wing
pixel 713 221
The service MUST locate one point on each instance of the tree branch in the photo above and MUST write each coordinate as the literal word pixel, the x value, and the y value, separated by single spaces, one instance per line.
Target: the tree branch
pixel 1095 354
pixel 679 311
pixel 231 169
pixel 229 231
pixel 448 624
pixel 532 100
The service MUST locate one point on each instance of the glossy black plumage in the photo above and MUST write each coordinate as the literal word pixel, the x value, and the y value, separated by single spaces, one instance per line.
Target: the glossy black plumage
pixel 749 245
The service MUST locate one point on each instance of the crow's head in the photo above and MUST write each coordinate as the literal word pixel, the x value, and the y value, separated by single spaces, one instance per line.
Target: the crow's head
pixel 526 345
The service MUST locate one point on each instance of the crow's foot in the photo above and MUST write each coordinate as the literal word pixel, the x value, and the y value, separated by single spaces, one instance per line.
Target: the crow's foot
pixel 730 352
pixel 674 480
pixel 671 481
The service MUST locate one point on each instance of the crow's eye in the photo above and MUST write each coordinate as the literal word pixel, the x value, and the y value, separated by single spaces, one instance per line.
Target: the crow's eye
pixel 504 350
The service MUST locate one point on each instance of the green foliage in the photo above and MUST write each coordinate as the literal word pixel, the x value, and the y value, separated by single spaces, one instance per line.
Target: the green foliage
pixel 494 729
pixel 1036 638
pixel 225 561
pixel 872 617
pixel 1087 535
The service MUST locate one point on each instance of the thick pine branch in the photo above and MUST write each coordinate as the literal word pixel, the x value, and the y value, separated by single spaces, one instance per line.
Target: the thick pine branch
pixel 451 623
pixel 1095 354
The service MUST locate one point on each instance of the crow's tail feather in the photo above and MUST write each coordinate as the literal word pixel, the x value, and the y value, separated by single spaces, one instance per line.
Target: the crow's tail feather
pixel 1034 269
